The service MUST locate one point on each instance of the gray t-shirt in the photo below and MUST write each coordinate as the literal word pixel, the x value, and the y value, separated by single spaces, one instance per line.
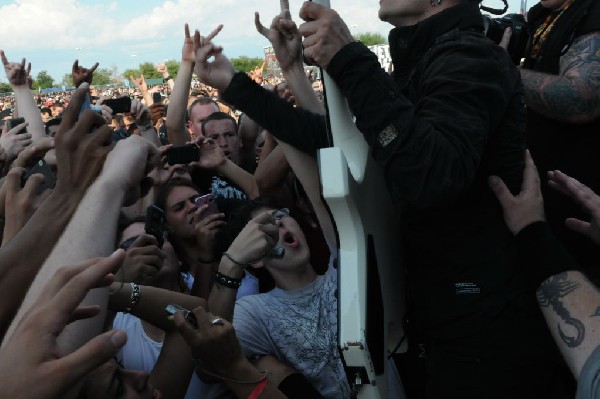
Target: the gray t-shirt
pixel 588 386
pixel 297 327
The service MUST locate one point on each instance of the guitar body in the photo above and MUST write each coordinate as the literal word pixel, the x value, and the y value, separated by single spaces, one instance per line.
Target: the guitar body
pixel 371 278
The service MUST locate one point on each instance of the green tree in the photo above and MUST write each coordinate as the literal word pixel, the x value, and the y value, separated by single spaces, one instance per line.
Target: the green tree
pixel 370 38
pixel 129 72
pixel 44 80
pixel 173 67
pixel 246 64
pixel 149 70
pixel 102 76
pixel 67 80
pixel 5 87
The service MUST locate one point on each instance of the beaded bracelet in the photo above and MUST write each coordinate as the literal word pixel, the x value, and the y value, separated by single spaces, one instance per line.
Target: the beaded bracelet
pixel 135 297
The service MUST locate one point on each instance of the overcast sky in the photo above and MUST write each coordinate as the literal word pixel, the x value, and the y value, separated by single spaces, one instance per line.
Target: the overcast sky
pixel 52 34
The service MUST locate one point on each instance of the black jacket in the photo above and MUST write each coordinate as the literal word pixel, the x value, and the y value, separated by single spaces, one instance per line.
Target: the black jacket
pixel 451 116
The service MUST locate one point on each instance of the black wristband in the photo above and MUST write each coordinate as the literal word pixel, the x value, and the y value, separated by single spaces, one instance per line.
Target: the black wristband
pixel 542 255
pixel 168 77
pixel 229 282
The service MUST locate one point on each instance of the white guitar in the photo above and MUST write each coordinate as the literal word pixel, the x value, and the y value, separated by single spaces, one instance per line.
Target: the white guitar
pixel 371 281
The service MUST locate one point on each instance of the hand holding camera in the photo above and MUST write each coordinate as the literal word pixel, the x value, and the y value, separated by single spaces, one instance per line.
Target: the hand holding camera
pixel 14 139
pixel 256 240
pixel 143 259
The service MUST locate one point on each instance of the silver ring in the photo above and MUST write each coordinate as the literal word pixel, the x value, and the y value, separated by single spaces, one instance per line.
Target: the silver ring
pixel 217 322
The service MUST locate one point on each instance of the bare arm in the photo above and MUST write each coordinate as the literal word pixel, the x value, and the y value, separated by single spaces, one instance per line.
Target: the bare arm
pixel 75 147
pixel 176 113
pixel 19 78
pixel 574 95
pixel 571 305
pixel 92 230
pixel 152 303
pixel 569 301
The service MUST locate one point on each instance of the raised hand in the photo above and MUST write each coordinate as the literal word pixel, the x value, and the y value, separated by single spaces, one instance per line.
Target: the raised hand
pixel 525 208
pixel 584 196
pixel 284 36
pixel 255 241
pixel 162 69
pixel 81 74
pixel 188 51
pixel 211 155
pixel 215 345
pixel 20 203
pixel 13 141
pixel 217 73
pixel 140 113
pixel 140 83
pixel 206 228
pixel 325 33
pixel 128 164
pixel 257 74
pixel 143 259
pixel 33 152
pixel 81 145
pixel 17 74
pixel 32 349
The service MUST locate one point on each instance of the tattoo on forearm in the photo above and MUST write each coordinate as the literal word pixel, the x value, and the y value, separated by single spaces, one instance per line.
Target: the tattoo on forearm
pixel 549 294
pixel 573 94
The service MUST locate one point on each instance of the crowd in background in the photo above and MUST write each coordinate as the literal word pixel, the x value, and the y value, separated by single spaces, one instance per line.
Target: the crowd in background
pixel 204 262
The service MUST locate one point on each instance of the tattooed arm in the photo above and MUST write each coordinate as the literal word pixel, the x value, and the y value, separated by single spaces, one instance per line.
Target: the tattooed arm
pixel 569 301
pixel 571 306
pixel 574 94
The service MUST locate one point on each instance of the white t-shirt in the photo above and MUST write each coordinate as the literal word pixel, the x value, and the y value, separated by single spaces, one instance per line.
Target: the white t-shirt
pixel 140 353
pixel 298 327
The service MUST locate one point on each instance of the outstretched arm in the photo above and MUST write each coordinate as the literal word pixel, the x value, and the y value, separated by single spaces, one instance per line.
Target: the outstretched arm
pixel 92 230
pixel 80 156
pixel 569 301
pixel 176 113
pixel 19 78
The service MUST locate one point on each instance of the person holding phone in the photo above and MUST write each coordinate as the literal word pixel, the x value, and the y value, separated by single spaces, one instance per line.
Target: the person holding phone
pixel 193 234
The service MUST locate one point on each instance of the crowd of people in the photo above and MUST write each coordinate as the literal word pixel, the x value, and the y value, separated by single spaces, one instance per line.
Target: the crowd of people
pixel 171 242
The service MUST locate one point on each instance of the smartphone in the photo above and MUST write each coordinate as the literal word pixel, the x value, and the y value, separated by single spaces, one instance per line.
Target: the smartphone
pixel 187 314
pixel 209 200
pixel 155 224
pixel 121 105
pixel 16 122
pixel 183 154
pixel 156 98
pixel 40 166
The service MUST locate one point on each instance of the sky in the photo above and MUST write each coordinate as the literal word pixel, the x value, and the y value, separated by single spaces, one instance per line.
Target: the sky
pixel 52 34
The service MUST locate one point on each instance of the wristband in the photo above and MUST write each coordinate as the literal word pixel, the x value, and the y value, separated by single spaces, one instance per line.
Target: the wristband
pixel 258 389
pixel 136 294
pixel 542 255
pixel 168 78
pixel 229 282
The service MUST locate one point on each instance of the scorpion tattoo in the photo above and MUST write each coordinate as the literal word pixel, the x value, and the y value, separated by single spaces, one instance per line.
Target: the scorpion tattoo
pixel 550 294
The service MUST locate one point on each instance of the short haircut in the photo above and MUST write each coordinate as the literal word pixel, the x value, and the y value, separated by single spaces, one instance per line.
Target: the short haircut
pixel 202 101
pixel 50 123
pixel 45 110
pixel 218 116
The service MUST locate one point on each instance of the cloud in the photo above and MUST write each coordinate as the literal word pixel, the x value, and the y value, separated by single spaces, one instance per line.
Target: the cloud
pixel 109 32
